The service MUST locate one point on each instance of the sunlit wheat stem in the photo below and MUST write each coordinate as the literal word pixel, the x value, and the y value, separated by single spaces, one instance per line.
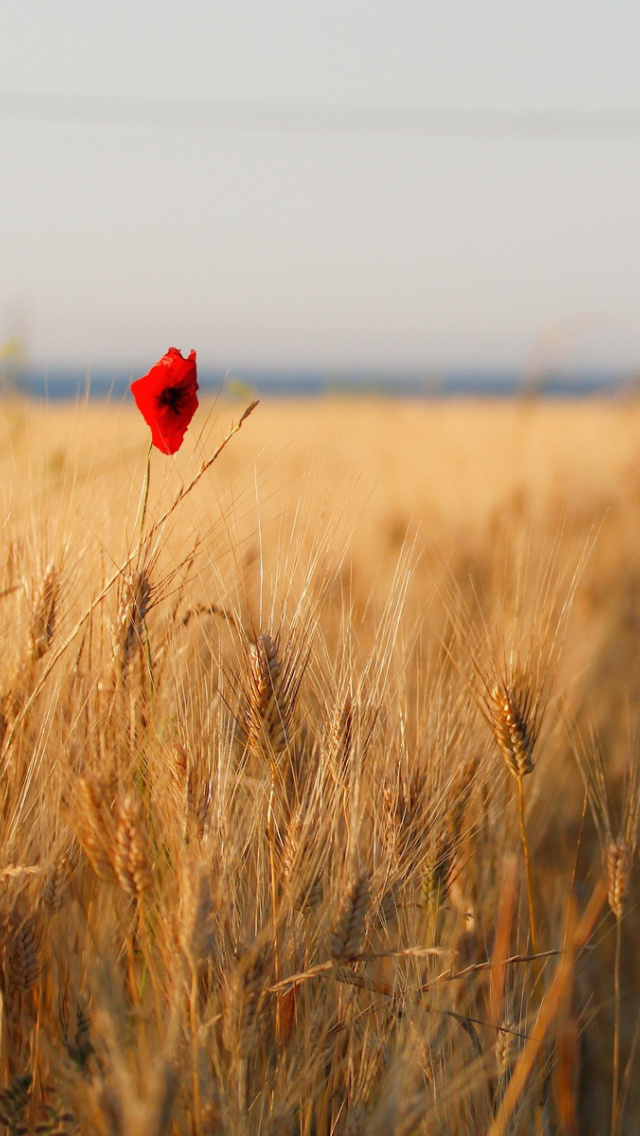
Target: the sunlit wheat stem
pixel 527 868
pixel 616 1031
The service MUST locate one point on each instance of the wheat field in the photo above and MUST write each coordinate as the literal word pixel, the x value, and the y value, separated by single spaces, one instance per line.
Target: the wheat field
pixel 320 792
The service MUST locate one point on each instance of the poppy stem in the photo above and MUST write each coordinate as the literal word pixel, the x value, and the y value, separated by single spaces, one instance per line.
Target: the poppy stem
pixel 134 555
pixel 142 508
pixel 144 498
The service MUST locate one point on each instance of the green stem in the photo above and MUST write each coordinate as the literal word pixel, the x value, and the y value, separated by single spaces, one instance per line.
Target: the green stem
pixel 142 510
pixel 144 498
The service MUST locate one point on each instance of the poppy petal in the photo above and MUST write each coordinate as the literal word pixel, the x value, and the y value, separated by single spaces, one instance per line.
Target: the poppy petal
pixel 167 399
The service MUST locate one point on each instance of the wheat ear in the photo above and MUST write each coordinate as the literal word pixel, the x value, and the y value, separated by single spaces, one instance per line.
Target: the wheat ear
pixel 513 708
pixel 132 855
pixel 348 933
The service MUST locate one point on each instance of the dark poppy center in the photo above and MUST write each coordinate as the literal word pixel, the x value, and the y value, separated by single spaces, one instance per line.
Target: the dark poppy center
pixel 171 398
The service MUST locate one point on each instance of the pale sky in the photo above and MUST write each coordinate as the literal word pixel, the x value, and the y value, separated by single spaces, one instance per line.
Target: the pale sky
pixel 337 242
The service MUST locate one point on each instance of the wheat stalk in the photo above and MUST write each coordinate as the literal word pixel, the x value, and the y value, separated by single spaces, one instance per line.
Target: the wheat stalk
pixel 618 854
pixel 514 709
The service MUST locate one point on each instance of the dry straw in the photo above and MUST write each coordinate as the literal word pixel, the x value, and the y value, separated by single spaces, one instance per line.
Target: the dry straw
pixel 436 874
pixel 300 867
pixel 246 999
pixel 130 1001
pixel 42 620
pixel 190 788
pixel 340 742
pixel 514 707
pixel 513 661
pixel 348 934
pixel 22 954
pixel 132 851
pixel 43 613
pixel 268 712
pixel 618 855
pixel 197 916
pixel 57 881
pixel 272 690
pixel 134 604
pixel 95 824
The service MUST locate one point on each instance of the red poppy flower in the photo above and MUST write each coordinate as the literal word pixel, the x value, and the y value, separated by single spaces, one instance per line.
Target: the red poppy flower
pixel 167 399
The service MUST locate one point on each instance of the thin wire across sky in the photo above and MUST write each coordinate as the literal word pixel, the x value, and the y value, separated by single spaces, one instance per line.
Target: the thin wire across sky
pixel 309 118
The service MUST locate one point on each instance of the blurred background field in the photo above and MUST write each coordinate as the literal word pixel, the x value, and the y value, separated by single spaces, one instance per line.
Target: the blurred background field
pixel 459 481
pixel 448 463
